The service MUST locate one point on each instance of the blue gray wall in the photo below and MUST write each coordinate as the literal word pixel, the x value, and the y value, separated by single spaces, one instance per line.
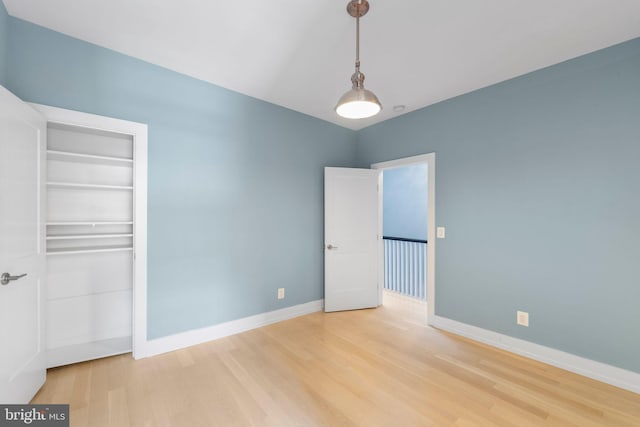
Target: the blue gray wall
pixel 235 184
pixel 405 202
pixel 538 183
pixel 4 34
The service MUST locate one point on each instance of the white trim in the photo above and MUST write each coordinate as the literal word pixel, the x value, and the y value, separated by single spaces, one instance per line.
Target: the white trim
pixel 139 132
pixel 430 160
pixel 198 336
pixel 140 141
pixel 589 368
pixel 380 232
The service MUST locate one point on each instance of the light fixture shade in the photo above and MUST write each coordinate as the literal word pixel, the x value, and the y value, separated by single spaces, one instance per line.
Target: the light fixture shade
pixel 358 103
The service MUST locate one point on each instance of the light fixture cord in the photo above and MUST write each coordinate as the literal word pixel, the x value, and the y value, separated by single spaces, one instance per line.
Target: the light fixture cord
pixel 358 36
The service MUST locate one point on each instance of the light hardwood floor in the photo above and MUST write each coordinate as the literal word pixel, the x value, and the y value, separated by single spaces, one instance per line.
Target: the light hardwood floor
pixel 366 368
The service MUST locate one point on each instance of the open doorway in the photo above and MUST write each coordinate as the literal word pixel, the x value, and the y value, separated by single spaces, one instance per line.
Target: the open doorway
pixel 408 234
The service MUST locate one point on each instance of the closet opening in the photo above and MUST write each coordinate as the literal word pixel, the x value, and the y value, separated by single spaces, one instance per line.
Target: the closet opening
pixel 95 236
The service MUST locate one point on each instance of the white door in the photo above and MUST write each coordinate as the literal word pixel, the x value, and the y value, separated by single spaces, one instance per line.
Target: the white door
pixel 352 238
pixel 22 205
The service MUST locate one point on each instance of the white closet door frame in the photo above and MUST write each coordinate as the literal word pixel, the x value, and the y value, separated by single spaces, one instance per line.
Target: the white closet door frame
pixel 139 133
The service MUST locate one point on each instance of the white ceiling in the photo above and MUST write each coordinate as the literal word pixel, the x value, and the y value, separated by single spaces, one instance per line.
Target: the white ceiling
pixel 300 53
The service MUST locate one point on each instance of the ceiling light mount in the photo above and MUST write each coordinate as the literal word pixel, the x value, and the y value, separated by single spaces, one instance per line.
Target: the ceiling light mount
pixel 358 9
pixel 358 103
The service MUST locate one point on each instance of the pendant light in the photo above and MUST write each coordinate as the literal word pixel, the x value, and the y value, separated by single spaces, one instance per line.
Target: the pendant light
pixel 358 103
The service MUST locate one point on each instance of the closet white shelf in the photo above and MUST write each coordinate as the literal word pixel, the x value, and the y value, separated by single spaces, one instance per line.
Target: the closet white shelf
pixel 88 250
pixel 73 185
pixel 89 236
pixel 67 156
pixel 91 223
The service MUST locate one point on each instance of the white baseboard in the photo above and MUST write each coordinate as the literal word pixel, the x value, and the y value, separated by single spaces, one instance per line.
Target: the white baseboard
pixel 198 336
pixel 589 368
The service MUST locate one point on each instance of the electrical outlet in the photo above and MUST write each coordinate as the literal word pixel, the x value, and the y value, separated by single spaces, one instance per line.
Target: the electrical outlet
pixel 440 232
pixel 280 293
pixel 522 318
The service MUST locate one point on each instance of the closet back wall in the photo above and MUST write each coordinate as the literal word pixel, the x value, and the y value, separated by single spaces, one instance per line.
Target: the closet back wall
pixel 235 184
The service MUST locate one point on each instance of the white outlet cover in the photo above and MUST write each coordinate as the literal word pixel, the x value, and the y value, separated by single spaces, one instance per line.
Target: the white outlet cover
pixel 440 232
pixel 280 293
pixel 522 318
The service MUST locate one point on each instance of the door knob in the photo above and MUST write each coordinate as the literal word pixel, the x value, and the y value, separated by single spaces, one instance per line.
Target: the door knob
pixel 6 278
pixel 331 247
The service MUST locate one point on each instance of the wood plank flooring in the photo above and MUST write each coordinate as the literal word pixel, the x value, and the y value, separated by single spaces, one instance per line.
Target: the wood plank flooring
pixel 361 368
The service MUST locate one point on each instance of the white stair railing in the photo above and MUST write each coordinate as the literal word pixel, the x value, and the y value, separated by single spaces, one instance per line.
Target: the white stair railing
pixel 405 266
